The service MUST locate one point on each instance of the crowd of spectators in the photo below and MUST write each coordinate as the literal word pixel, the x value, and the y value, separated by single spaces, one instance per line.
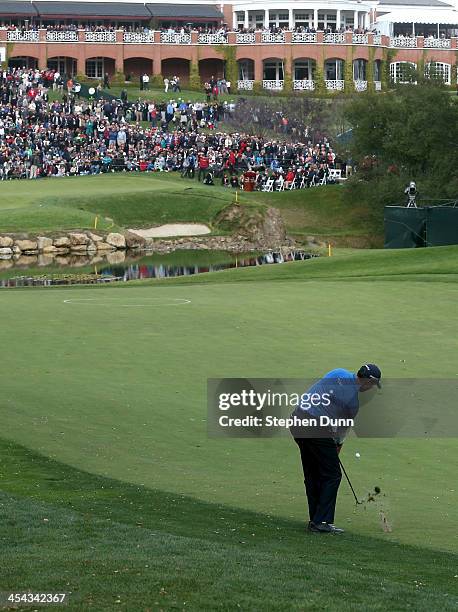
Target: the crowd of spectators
pixel 180 30
pixel 72 136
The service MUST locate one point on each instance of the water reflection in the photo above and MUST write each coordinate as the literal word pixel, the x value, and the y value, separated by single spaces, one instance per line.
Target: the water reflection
pixel 118 269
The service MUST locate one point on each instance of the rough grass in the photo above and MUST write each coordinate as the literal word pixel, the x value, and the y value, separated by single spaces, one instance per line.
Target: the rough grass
pixel 123 201
pixel 110 544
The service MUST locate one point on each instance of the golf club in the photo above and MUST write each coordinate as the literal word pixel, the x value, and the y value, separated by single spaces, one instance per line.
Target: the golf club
pixel 351 487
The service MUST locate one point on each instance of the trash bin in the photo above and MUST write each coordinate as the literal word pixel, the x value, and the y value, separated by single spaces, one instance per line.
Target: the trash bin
pixel 249 180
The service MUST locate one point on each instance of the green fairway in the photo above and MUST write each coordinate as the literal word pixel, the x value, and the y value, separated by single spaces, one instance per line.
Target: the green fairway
pixel 108 385
pixel 124 201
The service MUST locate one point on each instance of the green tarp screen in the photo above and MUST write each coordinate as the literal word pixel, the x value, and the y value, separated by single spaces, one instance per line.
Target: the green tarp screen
pixel 442 226
pixel 404 227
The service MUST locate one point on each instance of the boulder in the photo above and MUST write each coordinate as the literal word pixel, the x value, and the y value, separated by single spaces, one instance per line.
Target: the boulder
pixel 16 250
pixel 6 241
pixel 6 252
pixel 43 242
pixel 63 241
pixel 133 241
pixel 91 247
pixel 116 240
pixel 116 257
pixel 26 245
pixel 30 252
pixel 77 239
pixel 95 237
pixel 49 249
pixel 103 246
pixel 78 248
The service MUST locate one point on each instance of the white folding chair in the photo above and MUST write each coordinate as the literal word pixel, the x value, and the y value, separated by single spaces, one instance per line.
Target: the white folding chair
pixel 293 184
pixel 269 185
pixel 303 182
pixel 335 174
pixel 281 184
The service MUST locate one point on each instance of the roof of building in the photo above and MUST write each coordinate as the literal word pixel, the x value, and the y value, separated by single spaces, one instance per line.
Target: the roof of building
pixel 17 8
pixel 109 9
pixel 184 10
pixel 408 16
pixel 428 3
pixel 89 9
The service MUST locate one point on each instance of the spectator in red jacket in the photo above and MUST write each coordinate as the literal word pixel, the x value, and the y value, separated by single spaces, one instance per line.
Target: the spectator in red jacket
pixel 204 164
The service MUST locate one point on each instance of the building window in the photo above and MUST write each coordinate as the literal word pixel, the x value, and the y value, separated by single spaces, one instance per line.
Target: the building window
pixel 359 70
pixel 273 71
pixel 377 70
pixel 438 70
pixel 303 70
pixel 246 70
pixel 95 68
pixel 403 72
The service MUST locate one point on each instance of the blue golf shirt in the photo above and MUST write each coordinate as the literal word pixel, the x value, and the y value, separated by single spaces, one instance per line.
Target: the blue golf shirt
pixel 338 390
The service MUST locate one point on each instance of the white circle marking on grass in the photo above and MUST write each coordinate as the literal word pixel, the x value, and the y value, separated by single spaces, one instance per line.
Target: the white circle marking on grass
pixel 114 302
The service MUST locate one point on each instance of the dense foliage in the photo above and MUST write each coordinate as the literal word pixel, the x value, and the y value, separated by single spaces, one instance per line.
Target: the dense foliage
pixel 408 134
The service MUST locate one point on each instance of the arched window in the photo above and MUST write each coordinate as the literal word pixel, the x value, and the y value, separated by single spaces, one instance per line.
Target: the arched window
pixel 359 70
pixel 439 70
pixel 403 72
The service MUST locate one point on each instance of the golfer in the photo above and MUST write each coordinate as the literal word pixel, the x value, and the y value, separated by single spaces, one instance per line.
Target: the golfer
pixel 336 397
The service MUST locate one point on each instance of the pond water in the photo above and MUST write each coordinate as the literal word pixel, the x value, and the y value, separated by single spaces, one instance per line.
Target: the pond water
pixel 116 267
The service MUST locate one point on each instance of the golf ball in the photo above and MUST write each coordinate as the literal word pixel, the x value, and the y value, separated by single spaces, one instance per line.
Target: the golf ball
pixel 357 455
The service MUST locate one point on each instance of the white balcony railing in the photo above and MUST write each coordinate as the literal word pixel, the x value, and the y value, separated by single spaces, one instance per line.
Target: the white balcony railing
pixel 273 85
pixel 62 36
pixel 268 37
pixel 335 38
pixel 101 37
pixel 360 39
pixel 360 85
pixel 212 39
pixel 24 36
pixel 377 38
pixel 138 37
pixel 304 37
pixel 404 41
pixel 245 38
pixel 172 38
pixel 437 43
pixel 304 85
pixel 337 85
pixel 378 85
pixel 245 84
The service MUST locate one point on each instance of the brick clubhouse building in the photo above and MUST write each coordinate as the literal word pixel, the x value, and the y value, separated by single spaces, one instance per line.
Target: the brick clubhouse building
pixel 273 45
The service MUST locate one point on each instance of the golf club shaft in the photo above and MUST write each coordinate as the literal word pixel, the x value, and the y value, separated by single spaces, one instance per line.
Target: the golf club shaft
pixel 348 480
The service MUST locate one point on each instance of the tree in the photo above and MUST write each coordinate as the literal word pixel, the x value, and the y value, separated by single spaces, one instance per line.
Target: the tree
pixel 412 133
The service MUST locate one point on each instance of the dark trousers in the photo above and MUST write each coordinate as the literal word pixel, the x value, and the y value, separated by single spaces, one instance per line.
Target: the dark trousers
pixel 322 476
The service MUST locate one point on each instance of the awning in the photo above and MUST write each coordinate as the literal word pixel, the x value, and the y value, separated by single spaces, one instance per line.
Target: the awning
pixel 448 17
pixel 184 11
pixel 92 9
pixel 19 9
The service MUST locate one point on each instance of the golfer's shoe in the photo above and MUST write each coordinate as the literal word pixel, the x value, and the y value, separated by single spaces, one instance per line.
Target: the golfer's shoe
pixel 324 528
